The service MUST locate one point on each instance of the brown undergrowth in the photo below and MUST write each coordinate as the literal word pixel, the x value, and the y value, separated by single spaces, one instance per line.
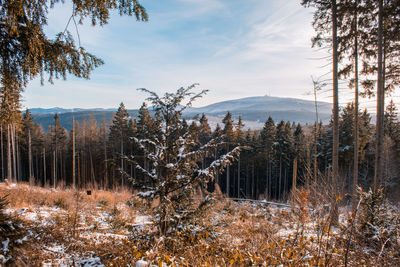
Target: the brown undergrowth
pixel 67 227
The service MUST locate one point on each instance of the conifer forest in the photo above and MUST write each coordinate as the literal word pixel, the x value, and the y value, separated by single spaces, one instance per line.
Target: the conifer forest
pixel 164 187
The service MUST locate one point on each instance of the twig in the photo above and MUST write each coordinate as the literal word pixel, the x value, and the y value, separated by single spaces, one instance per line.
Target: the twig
pixel 351 232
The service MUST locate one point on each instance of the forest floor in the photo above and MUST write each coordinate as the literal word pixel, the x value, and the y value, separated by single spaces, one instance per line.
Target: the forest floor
pixel 72 228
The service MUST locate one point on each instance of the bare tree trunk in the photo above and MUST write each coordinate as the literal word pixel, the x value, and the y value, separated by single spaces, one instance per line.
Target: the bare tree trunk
pixel 19 171
pixel 122 160
pixel 44 166
pixel 92 178
pixel 294 182
pixel 78 171
pixel 54 170
pixel 2 155
pixel 227 180
pixel 73 155
pixel 252 181
pixel 36 159
pixel 335 143
pixel 14 153
pixel 31 179
pixel 335 150
pixel 9 160
pixel 280 177
pixel 105 158
pixel 217 175
pixel 315 135
pixel 267 191
pixel 356 127
pixel 380 104
pixel 238 185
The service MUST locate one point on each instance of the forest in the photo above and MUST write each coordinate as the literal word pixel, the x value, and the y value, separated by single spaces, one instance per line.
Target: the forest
pixel 162 189
pixel 93 156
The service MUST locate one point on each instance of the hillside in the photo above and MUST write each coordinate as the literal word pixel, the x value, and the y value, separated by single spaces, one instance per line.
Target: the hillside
pixel 254 112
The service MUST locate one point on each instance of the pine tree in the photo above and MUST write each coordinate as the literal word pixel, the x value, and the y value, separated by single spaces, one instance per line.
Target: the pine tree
pixel 392 125
pixel 58 138
pixel 27 123
pixel 118 136
pixel 205 130
pixel 27 52
pixel 325 22
pixel 146 124
pixel 174 172
pixel 218 131
pixel 38 143
pixel 229 139
pixel 239 141
pixel 267 145
pixel 380 104
pixel 391 121
pixel 282 154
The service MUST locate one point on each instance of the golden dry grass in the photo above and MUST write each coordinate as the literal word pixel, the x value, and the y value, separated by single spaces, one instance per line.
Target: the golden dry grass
pixel 229 234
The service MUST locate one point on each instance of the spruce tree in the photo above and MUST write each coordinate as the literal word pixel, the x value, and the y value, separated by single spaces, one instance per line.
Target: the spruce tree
pixel 205 130
pixel 27 52
pixel 326 25
pixel 26 144
pixel 58 138
pixel 267 139
pixel 146 125
pixel 228 134
pixel 174 172
pixel 118 136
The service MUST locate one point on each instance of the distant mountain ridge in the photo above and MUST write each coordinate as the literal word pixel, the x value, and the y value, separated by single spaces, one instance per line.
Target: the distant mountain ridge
pixel 258 109
pixel 65 110
pixel 253 110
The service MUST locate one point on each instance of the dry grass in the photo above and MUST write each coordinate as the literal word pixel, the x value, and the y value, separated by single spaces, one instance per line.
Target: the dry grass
pixel 64 226
pixel 23 196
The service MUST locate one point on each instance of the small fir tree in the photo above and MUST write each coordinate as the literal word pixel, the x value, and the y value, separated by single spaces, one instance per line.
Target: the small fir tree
pixel 174 170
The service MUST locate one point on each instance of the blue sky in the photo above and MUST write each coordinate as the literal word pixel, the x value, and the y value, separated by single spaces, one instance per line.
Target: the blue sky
pixel 234 48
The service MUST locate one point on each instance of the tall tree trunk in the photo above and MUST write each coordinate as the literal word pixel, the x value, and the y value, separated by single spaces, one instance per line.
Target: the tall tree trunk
pixel 122 160
pixel 315 136
pixel 356 126
pixel 217 175
pixel 92 178
pixel 54 169
pixel 14 153
pixel 280 177
pixel 267 191
pixel 379 104
pixel 335 149
pixel 335 143
pixel 31 180
pixel 73 155
pixel 36 167
pixel 19 171
pixel 78 171
pixel 9 160
pixel 44 167
pixel 238 185
pixel 2 155
pixel 228 180
pixel 294 181
pixel 252 181
pixel 105 159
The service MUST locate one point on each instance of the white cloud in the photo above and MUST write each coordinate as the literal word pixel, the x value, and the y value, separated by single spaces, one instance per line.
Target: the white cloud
pixel 234 48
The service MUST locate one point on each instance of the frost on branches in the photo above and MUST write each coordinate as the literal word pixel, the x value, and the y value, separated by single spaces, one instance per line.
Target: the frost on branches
pixel 169 169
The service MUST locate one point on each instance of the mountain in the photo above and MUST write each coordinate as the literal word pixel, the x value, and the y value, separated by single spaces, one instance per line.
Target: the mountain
pixel 254 112
pixel 64 110
pixel 47 120
pixel 258 109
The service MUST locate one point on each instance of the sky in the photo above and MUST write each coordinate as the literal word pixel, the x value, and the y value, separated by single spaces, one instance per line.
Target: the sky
pixel 233 48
